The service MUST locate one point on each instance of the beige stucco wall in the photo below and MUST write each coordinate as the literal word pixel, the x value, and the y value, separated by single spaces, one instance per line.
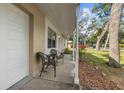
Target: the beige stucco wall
pixel 37 40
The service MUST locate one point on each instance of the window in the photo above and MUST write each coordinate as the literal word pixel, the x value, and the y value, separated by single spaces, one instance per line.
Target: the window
pixel 51 38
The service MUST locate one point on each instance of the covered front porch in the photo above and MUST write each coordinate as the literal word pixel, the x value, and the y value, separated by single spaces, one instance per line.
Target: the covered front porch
pixel 47 26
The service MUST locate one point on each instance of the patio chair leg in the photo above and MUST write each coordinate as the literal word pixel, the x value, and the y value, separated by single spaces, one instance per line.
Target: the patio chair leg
pixel 54 70
pixel 62 60
pixel 57 62
pixel 42 70
pixel 47 66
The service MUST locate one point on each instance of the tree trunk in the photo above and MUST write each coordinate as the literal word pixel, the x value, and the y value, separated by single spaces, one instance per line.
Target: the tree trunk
pixel 98 43
pixel 106 42
pixel 84 40
pixel 99 38
pixel 114 55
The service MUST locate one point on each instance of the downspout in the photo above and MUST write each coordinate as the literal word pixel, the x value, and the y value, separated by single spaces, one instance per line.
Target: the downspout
pixel 76 78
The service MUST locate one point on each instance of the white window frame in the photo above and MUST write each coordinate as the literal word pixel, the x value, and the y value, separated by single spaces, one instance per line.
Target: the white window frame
pixel 49 24
pixel 51 38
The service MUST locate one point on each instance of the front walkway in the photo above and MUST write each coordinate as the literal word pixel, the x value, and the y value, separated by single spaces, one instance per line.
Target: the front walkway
pixel 63 81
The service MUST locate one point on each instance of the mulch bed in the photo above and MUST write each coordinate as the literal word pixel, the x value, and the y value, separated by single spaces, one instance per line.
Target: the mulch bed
pixel 91 77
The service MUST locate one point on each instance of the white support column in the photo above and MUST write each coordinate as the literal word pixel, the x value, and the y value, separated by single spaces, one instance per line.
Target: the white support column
pixel 76 80
pixel 74 54
pixel 74 46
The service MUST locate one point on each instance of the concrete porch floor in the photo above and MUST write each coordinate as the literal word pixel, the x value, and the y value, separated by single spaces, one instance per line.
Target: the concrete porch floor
pixel 63 81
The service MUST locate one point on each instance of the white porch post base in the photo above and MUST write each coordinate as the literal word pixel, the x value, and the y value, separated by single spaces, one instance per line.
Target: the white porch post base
pixel 76 80
pixel 76 57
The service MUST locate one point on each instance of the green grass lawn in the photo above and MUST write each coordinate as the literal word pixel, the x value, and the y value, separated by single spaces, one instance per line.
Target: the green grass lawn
pixel 100 58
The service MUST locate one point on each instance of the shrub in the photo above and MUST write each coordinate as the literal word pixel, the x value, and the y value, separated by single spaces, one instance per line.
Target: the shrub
pixel 68 51
pixel 121 45
pixel 81 50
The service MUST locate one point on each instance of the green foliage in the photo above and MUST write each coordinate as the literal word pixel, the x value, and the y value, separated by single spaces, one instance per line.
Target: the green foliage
pixel 121 45
pixel 99 31
pixel 92 40
pixel 98 22
pixel 122 35
pixel 102 15
pixel 81 53
pixel 81 38
pixel 122 41
pixel 68 51
pixel 71 38
pixel 102 9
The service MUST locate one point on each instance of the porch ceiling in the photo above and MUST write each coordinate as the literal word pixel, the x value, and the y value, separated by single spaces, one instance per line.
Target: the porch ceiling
pixel 63 16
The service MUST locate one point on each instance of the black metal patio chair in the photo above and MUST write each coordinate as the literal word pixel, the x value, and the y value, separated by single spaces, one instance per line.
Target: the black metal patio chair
pixel 58 54
pixel 46 60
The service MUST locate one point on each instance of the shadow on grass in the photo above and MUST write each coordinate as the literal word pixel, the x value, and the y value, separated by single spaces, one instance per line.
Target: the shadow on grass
pixel 98 60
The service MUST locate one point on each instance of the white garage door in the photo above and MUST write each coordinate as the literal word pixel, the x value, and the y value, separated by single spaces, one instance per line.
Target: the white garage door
pixel 14 35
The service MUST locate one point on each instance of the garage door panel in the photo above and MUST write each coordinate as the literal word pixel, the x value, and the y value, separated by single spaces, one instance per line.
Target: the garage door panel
pixel 3 79
pixel 12 11
pixel 14 45
pixel 3 59
pixel 16 73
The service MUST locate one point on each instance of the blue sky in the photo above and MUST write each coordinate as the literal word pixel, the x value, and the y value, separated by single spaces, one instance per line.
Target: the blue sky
pixel 87 5
pixel 86 11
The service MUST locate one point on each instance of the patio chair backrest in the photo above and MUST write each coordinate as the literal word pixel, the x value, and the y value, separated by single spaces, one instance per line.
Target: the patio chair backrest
pixel 57 53
pixel 43 57
pixel 53 51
